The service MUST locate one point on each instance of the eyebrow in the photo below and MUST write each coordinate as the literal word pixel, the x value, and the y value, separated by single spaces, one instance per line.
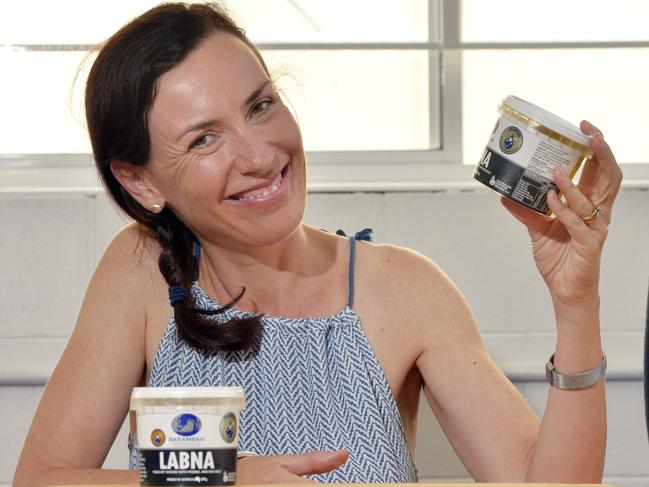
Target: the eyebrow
pixel 208 123
pixel 257 92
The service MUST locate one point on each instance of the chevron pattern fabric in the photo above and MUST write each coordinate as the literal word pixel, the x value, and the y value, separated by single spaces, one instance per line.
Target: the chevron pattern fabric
pixel 310 384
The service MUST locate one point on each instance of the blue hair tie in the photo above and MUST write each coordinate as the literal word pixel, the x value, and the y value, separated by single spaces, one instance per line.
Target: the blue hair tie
pixel 177 293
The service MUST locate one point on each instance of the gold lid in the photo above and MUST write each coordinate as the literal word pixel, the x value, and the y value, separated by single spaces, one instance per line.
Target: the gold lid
pixel 530 122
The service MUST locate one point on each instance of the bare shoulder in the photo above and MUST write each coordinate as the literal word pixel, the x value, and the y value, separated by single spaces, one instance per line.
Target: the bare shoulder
pixel 132 246
pixel 126 285
pixel 416 293
pixel 398 262
pixel 124 282
pixel 131 260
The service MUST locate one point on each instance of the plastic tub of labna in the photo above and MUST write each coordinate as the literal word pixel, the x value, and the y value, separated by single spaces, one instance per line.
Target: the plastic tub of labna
pixel 187 435
pixel 527 143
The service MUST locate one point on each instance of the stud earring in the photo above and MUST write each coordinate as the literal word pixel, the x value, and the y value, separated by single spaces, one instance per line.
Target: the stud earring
pixel 156 208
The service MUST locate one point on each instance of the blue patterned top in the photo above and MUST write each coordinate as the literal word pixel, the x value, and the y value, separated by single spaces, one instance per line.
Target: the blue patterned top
pixel 310 384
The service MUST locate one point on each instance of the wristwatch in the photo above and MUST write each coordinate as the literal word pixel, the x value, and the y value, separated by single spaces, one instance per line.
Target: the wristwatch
pixel 574 381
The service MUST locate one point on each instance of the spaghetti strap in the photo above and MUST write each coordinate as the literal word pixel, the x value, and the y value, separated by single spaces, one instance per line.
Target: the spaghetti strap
pixel 365 234
pixel 350 279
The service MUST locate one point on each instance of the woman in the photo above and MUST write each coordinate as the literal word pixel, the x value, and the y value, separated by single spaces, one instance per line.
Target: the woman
pixel 192 140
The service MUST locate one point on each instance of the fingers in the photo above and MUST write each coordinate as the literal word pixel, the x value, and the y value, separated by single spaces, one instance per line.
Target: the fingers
pixel 604 154
pixel 589 177
pixel 576 200
pixel 591 170
pixel 602 175
pixel 588 128
pixel 531 219
pixel 572 222
pixel 578 207
pixel 288 469
pixel 313 462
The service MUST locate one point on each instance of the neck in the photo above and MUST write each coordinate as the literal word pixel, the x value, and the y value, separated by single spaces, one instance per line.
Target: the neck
pixel 274 276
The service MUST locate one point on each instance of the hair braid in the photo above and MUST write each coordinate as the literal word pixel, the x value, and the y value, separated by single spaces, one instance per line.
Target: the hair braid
pixel 178 265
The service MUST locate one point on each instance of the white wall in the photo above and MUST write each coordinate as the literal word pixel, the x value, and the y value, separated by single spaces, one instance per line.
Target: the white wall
pixel 51 241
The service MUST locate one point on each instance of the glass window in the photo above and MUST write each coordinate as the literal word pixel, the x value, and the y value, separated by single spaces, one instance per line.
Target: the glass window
pixel 41 110
pixel 67 22
pixel 267 21
pixel 579 59
pixel 554 20
pixel 358 100
pixel 366 79
pixel 370 91
pixel 605 86
pixel 358 21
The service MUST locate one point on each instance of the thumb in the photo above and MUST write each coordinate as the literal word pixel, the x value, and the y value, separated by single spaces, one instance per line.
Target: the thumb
pixel 313 462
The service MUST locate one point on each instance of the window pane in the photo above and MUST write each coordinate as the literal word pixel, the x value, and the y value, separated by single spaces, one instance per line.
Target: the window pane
pixel 358 100
pixel 332 20
pixel 40 114
pixel 92 21
pixel 605 86
pixel 345 100
pixel 554 20
pixel 77 21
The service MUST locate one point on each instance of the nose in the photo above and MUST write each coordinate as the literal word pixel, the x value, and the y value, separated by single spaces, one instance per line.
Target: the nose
pixel 254 154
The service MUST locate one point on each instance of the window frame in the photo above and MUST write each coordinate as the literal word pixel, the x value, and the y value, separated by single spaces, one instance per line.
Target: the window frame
pixel 416 170
pixel 636 175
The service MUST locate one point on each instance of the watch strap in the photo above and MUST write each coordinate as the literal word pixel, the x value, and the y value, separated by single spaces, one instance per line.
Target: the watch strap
pixel 574 381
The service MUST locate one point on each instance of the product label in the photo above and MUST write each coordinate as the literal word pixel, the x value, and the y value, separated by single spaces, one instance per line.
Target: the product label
pixel 518 163
pixel 188 467
pixel 178 447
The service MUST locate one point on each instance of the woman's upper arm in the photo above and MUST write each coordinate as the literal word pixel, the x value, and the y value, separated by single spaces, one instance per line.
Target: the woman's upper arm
pixel 489 424
pixel 86 398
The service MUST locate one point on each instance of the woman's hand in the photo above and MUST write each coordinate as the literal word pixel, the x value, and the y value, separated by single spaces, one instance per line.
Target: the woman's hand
pixel 288 469
pixel 567 250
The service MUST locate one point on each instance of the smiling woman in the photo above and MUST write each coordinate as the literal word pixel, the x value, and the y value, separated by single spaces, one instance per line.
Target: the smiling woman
pixel 193 141
pixel 202 128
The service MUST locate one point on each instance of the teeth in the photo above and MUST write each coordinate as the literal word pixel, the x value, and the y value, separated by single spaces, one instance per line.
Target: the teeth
pixel 265 193
pixel 268 191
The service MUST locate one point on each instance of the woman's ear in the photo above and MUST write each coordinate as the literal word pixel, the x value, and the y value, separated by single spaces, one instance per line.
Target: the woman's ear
pixel 134 179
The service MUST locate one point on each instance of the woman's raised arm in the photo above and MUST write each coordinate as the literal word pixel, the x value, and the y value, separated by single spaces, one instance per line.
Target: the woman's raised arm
pixel 490 426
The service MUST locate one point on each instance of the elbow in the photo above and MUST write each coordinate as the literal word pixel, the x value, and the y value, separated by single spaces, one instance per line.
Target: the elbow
pixel 587 469
pixel 585 473
pixel 31 477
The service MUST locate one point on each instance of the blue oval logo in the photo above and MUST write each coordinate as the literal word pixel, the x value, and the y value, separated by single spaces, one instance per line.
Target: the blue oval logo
pixel 186 424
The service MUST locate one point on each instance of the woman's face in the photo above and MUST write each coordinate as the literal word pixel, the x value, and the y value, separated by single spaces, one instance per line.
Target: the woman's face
pixel 226 153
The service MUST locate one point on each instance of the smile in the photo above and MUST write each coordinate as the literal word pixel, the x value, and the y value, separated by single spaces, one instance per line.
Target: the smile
pixel 266 192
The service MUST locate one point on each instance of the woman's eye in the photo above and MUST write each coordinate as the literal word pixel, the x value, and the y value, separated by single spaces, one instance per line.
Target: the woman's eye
pixel 203 141
pixel 261 107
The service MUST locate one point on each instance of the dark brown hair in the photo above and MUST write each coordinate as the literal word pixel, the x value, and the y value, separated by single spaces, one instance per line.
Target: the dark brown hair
pixel 119 94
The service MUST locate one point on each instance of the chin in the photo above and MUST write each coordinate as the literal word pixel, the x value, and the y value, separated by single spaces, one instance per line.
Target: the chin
pixel 278 229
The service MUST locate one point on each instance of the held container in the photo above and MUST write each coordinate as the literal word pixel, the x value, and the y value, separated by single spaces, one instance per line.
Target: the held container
pixel 187 435
pixel 527 143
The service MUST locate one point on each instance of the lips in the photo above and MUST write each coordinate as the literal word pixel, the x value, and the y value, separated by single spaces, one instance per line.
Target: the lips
pixel 261 191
